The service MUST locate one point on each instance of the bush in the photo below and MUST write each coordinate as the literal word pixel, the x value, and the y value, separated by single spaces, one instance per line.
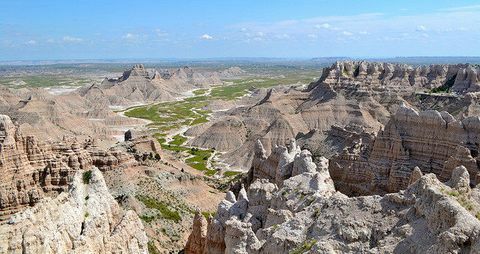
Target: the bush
pixel 164 210
pixel 87 175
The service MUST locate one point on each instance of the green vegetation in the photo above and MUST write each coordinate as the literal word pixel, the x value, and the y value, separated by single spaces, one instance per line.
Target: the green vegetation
pixel 43 81
pixel 86 214
pixel 200 91
pixel 208 214
pixel 445 88
pixel 87 175
pixel 147 218
pixel 230 173
pixel 164 210
pixel 306 246
pixel 151 248
pixel 178 140
pixel 167 116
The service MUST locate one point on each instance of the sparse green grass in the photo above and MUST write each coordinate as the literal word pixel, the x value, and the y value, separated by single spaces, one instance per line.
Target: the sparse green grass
pixel 178 140
pixel 306 246
pixel 191 111
pixel 200 91
pixel 208 214
pixel 230 173
pixel 151 248
pixel 87 176
pixel 147 218
pixel 165 211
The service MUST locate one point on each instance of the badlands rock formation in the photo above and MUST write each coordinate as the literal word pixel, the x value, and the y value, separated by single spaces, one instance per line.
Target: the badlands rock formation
pixel 139 86
pixel 461 78
pixel 433 141
pixel 291 206
pixel 363 94
pixel 32 169
pixel 86 219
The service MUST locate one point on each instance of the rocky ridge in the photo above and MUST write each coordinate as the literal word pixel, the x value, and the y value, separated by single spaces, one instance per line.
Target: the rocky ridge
pixel 291 205
pixel 139 86
pixel 348 93
pixel 86 219
pixel 433 141
pixel 32 169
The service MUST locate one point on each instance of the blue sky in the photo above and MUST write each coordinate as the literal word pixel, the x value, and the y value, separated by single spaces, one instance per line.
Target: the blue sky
pixel 75 29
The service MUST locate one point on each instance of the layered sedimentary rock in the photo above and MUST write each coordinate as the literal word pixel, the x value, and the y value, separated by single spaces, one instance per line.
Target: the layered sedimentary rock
pixel 86 219
pixel 433 141
pixel 139 85
pixel 32 169
pixel 306 214
pixel 348 93
pixel 460 78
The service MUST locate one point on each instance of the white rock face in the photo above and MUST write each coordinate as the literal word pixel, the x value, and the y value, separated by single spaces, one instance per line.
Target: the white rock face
pixel 86 219
pixel 306 215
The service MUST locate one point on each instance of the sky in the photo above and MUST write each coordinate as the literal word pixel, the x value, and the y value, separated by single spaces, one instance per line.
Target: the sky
pixel 95 29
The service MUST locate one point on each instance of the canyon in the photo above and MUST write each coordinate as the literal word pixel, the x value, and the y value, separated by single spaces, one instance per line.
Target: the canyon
pixel 368 157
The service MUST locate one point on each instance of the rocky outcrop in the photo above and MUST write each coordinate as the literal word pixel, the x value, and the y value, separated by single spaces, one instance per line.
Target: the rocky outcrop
pixel 86 219
pixel 307 214
pixel 433 141
pixel 32 169
pixel 140 85
pixel 461 78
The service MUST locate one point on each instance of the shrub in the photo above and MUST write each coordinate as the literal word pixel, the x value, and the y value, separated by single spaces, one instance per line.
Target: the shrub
pixel 87 175
pixel 164 210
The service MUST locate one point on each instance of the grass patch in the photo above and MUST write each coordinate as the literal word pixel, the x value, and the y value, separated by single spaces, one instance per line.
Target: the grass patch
pixel 200 91
pixel 87 176
pixel 208 214
pixel 147 218
pixel 151 248
pixel 230 173
pixel 306 246
pixel 178 140
pixel 163 208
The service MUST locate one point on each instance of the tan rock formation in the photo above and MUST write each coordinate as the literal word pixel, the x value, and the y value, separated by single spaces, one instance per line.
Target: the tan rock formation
pixel 86 219
pixel 33 169
pixel 434 141
pixel 306 214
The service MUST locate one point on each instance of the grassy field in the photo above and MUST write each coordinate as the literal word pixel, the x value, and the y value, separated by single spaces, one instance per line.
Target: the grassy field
pixel 167 116
pixel 43 81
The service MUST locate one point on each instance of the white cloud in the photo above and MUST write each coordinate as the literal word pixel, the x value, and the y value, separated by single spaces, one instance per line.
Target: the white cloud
pixel 347 33
pixel 324 26
pixel 206 37
pixel 31 42
pixel 312 36
pixel 71 39
pixel 421 28
pixel 282 36
pixel 129 36
pixel 363 32
pixel 160 33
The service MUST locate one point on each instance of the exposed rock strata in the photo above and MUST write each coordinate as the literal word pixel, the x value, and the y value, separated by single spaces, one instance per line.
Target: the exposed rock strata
pixel 460 78
pixel 32 169
pixel 306 214
pixel 86 219
pixel 433 141
pixel 348 93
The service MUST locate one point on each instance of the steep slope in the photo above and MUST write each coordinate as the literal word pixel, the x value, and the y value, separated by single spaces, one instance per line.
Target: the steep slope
pixel 139 86
pixel 363 94
pixel 433 141
pixel 86 219
pixel 291 206
pixel 32 169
